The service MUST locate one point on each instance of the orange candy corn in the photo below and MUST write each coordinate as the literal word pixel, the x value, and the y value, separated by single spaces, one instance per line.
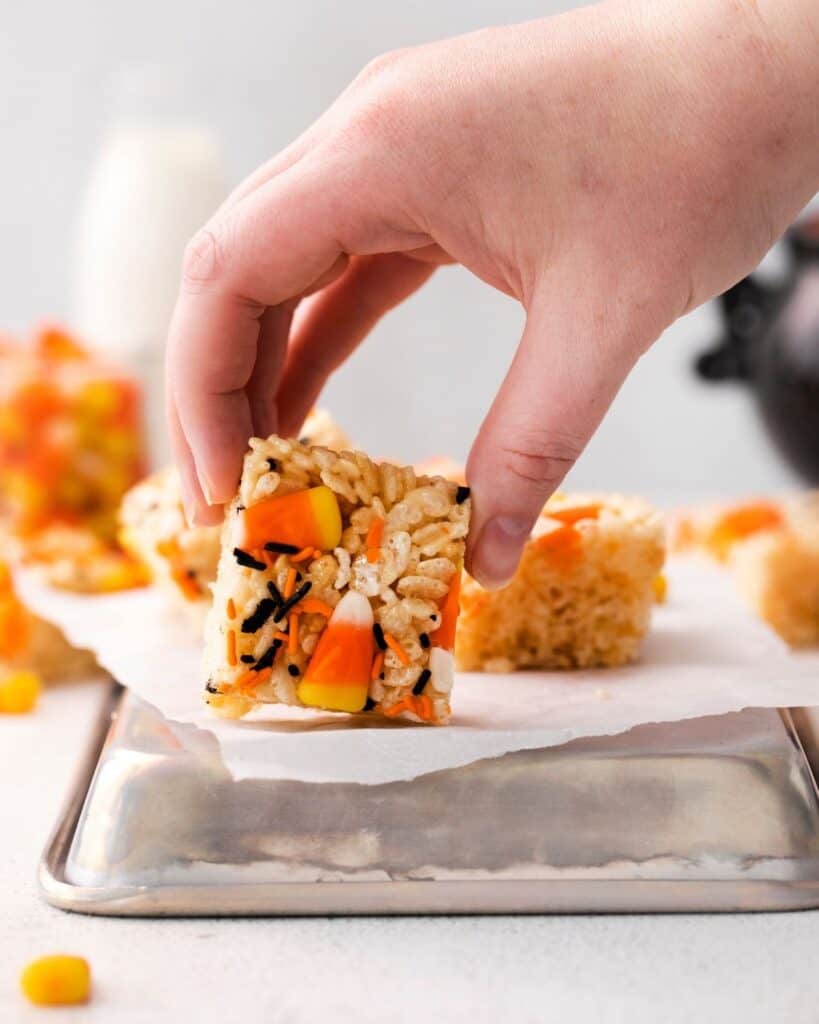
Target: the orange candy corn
pixel 444 635
pixel 309 518
pixel 338 676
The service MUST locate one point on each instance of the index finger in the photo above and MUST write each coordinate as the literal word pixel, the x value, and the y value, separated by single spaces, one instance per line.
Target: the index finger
pixel 268 248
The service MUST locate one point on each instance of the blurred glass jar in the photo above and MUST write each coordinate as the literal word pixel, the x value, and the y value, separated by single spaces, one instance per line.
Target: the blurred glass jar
pixel 157 177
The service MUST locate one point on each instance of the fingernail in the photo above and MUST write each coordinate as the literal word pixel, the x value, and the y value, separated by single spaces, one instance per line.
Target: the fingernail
pixel 206 489
pixel 498 550
pixel 189 511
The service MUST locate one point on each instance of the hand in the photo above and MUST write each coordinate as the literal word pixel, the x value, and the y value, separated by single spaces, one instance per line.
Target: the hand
pixel 611 169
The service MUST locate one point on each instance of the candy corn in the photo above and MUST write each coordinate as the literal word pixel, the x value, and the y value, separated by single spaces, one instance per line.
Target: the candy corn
pixel 57 981
pixel 19 692
pixel 338 675
pixel 309 518
pixel 444 635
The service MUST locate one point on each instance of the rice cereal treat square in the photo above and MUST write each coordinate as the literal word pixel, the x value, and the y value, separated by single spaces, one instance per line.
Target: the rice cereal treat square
pixel 777 570
pixel 181 559
pixel 338 586
pixel 581 597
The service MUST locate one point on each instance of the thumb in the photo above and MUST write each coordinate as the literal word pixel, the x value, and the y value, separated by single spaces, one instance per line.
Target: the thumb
pixel 565 374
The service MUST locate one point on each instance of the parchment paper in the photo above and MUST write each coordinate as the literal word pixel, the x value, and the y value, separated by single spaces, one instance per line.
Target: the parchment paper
pixel 706 655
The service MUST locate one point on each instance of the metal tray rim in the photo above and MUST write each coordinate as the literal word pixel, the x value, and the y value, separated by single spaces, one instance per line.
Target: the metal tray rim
pixel 655 895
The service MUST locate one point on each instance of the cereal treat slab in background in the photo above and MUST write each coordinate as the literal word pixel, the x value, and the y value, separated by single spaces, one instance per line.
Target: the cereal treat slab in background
pixel 181 559
pixel 777 570
pixel 30 644
pixel 581 597
pixel 337 586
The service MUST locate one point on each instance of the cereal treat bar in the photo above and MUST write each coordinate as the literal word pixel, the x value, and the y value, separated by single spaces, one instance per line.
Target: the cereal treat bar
pixel 777 570
pixel 70 436
pixel 715 530
pixel 337 586
pixel 77 559
pixel 182 559
pixel 581 597
pixel 29 643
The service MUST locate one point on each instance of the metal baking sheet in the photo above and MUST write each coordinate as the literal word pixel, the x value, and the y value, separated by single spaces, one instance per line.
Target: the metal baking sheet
pixel 712 814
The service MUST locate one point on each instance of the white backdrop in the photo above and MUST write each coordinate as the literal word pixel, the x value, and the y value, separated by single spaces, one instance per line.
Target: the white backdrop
pixel 260 71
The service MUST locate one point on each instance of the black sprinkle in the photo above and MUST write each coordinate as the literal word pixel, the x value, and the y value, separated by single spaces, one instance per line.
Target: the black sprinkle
pixel 380 675
pixel 281 549
pixel 369 705
pixel 264 609
pixel 285 607
pixel 293 670
pixel 275 593
pixel 269 655
pixel 211 688
pixel 243 558
pixel 378 632
pixel 424 640
pixel 248 659
pixel 240 508
pixel 304 439
pixel 191 574
pixel 434 616
pixel 423 679
pixel 273 465
pixel 461 495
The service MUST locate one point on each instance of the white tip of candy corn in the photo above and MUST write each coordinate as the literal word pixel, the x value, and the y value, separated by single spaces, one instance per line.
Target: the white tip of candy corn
pixel 353 610
pixel 441 665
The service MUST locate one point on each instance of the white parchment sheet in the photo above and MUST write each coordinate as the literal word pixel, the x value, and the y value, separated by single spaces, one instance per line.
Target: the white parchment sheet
pixel 706 655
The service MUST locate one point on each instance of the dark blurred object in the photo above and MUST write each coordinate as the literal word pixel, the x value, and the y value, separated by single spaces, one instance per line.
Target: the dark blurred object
pixel 772 343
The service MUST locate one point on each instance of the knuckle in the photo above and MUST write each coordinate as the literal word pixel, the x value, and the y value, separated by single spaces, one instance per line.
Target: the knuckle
pixel 539 459
pixel 378 67
pixel 381 100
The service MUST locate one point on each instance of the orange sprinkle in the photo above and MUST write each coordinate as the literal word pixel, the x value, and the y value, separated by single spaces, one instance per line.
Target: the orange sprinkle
pixel 269 557
pixel 279 635
pixel 423 707
pixel 231 647
pixel 570 516
pixel 301 556
pixel 168 548
pixel 396 709
pixel 245 678
pixel 252 679
pixel 374 536
pixel 187 584
pixel 293 638
pixel 231 609
pixel 378 664
pixel 290 583
pixel 396 649
pixel 318 607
